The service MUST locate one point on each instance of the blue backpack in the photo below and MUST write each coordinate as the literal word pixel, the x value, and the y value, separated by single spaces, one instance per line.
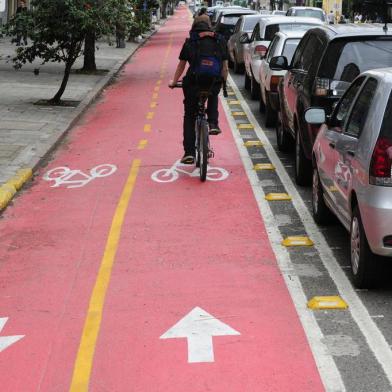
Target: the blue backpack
pixel 206 65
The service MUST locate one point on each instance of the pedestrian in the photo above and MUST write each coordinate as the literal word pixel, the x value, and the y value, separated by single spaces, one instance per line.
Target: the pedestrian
pixel 202 45
pixel 331 18
pixel 21 23
pixel 342 19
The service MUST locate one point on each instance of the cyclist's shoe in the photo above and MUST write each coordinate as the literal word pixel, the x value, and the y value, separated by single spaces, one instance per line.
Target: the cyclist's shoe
pixel 214 130
pixel 188 159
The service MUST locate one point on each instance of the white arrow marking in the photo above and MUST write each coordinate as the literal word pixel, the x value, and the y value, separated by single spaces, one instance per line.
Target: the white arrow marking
pixel 6 341
pixel 199 327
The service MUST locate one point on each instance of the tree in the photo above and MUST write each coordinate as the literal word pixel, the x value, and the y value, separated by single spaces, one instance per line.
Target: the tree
pixel 59 29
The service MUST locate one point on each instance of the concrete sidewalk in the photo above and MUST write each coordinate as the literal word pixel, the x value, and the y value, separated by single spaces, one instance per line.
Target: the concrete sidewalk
pixel 27 131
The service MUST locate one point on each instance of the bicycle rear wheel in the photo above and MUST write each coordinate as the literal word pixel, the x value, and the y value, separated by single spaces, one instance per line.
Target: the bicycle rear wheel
pixel 203 150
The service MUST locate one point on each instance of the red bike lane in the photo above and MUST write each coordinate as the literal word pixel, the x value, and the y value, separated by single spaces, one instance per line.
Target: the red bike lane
pixel 126 283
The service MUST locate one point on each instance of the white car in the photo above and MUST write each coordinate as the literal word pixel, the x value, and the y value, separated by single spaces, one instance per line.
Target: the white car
pixel 262 35
pixel 283 44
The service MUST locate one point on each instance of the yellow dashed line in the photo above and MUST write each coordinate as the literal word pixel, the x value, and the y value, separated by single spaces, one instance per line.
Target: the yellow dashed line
pixel 147 128
pixel 142 144
pixel 155 96
pixel 156 88
pixel 159 82
pixel 150 115
pixel 153 105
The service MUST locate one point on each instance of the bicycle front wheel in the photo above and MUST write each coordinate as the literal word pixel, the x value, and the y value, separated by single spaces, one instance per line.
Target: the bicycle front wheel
pixel 203 150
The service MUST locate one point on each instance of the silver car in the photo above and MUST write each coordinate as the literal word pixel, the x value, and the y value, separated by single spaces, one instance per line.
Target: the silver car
pixel 245 24
pixel 261 37
pixel 352 175
pixel 283 44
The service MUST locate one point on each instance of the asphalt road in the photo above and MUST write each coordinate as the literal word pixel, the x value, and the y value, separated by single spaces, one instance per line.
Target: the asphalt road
pixel 346 335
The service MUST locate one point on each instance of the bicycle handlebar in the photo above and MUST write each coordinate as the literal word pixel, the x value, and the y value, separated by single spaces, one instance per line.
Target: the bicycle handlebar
pixel 224 87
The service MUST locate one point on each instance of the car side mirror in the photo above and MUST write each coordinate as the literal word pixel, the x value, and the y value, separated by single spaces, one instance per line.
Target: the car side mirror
pixel 279 63
pixel 315 116
pixel 244 39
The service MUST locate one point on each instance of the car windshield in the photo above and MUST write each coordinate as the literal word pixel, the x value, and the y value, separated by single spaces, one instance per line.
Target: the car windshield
pixel 249 24
pixel 345 60
pixel 310 13
pixel 289 48
pixel 272 29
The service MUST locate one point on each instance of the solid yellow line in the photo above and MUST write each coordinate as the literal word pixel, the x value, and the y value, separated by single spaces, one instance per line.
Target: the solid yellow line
pixel 85 356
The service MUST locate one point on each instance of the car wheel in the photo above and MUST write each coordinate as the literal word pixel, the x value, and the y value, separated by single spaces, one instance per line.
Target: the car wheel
pixel 364 263
pixel 270 113
pixel 321 213
pixel 303 166
pixel 247 81
pixel 283 139
pixel 254 88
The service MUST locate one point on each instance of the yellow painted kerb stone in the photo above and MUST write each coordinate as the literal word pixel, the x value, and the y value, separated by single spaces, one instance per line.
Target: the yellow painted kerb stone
pixel 327 302
pixel 5 196
pixel 233 102
pixel 264 166
pixel 253 143
pixel 277 196
pixel 20 178
pixel 297 241
pixel 235 114
pixel 245 126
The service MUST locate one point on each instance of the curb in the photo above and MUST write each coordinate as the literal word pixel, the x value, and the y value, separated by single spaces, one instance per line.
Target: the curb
pixel 15 183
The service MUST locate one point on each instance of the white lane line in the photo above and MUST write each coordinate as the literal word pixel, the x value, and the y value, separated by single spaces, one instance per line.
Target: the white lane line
pixel 329 373
pixel 374 338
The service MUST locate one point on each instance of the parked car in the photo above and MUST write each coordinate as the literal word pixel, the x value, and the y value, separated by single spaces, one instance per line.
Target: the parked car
pixel 352 170
pixel 311 12
pixel 326 61
pixel 228 19
pixel 262 35
pixel 217 11
pixel 245 24
pixel 279 12
pixel 282 44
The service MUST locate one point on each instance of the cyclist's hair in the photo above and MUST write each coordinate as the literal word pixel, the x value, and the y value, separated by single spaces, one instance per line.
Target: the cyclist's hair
pixel 202 11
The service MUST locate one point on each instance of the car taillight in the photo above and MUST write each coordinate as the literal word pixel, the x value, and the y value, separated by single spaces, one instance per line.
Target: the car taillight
pixel 381 163
pixel 321 87
pixel 261 50
pixel 275 82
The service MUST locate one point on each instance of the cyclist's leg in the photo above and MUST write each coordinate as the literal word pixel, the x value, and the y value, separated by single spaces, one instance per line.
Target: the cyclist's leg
pixel 212 110
pixel 190 111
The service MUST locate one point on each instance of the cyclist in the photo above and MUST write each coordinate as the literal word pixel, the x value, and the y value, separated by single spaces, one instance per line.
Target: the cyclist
pixel 208 42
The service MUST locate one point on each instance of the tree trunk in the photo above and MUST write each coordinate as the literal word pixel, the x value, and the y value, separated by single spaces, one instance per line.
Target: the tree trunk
pixel 57 98
pixel 89 53
pixel 164 6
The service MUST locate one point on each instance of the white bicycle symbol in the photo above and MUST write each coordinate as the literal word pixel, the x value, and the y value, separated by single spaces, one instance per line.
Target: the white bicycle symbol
pixel 76 178
pixel 172 174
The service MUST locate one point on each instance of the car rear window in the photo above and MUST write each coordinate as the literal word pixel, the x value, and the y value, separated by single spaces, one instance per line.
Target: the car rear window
pixel 272 29
pixel 229 20
pixel 249 24
pixel 310 13
pixel 289 48
pixel 345 60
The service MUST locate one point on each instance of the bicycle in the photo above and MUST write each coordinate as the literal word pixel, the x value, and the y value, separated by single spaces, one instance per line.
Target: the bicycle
pixel 203 148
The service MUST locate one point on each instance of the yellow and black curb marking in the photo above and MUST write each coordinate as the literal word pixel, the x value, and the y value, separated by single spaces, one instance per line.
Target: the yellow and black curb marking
pixel 13 185
pixel 294 239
